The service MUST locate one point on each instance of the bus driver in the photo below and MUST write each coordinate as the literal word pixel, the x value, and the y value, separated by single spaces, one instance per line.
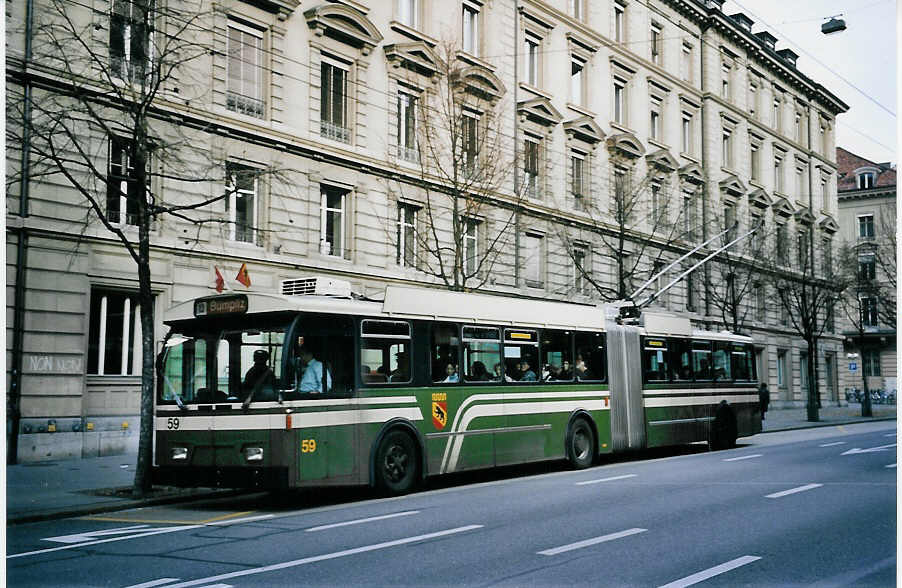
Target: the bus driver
pixel 312 380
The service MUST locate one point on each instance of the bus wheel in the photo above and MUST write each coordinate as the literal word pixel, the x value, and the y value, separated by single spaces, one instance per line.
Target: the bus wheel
pixel 396 463
pixel 580 444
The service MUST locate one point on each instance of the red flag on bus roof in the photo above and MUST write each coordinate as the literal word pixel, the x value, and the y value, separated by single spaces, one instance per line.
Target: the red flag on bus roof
pixel 243 276
pixel 220 281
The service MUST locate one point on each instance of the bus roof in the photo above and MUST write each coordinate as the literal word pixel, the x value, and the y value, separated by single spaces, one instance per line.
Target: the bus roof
pixel 483 308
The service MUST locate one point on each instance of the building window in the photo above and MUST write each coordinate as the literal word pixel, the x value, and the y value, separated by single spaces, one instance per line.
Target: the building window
pixel 755 161
pixel 782 244
pixel 866 226
pixel 130 26
pixel 753 100
pixel 686 139
pixel 823 137
pixel 727 148
pixel 725 81
pixel 470 245
pixel 781 369
pixel 581 268
pixel 778 173
pixel 830 319
pixel 800 128
pixel 531 55
pixel 123 188
pixel 577 85
pixel 532 167
pixel 760 302
pixel 865 180
pixel 691 295
pixel 245 71
pixel 407 127
pixel 871 363
pixel 686 63
pixel 241 202
pixel 620 101
pixel 469 144
pixel 868 306
pixel 407 13
pixel 784 303
pixel 619 22
pixel 776 114
pixel 867 267
pixel 658 204
pixel 656 42
pixel 533 260
pixel 802 249
pixel 729 220
pixel 114 339
pixel 828 257
pixel 579 184
pixel 406 244
pixel 621 187
pixel 334 121
pixel 801 174
pixel 688 216
pixel 333 202
pixel 470 32
pixel 655 119
pixel 576 9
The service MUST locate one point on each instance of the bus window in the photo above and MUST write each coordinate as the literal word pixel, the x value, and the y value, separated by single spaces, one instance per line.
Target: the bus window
pixel 320 357
pixel 741 362
pixel 445 353
pixel 722 361
pixel 184 370
pixel 654 360
pixel 481 351
pixel 259 364
pixel 385 351
pixel 521 355
pixel 556 358
pixel 701 360
pixel 681 359
pixel 591 362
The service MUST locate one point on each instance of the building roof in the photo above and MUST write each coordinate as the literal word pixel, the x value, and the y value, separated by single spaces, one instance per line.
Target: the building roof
pixel 847 163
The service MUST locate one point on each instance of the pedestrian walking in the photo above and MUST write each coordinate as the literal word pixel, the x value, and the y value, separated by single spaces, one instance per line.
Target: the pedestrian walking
pixel 763 398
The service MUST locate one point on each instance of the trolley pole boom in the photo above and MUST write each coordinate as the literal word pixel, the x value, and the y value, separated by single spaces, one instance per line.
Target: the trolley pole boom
pixel 653 297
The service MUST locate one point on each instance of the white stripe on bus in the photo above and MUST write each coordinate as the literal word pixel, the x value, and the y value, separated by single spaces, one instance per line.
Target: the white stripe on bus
pixel 301 420
pixel 518 408
pixel 698 400
pixel 663 391
pixel 308 403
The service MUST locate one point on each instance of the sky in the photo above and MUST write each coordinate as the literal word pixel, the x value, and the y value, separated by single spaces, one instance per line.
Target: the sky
pixel 858 65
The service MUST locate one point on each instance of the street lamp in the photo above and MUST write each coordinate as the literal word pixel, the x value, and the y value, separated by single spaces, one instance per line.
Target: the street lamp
pixel 834 25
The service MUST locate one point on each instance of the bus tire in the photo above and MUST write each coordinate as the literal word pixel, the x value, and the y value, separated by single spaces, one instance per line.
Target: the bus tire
pixel 580 444
pixel 397 465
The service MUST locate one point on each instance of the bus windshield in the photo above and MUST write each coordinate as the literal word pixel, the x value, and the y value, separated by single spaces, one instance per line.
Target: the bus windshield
pixel 223 367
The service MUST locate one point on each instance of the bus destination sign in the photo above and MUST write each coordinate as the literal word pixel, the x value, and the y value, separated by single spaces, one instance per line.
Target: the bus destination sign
pixel 221 306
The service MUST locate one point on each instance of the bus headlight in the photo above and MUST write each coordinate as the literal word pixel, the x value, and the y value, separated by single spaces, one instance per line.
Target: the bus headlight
pixel 253 453
pixel 178 453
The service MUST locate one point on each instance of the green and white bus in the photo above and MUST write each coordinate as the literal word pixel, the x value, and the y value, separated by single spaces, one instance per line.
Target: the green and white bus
pixel 426 382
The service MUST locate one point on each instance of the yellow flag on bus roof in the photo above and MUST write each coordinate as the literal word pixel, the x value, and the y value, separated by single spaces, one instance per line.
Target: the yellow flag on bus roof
pixel 243 276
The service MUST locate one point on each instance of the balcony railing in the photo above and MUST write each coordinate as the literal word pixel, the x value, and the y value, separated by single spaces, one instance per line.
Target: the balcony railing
pixel 245 105
pixel 335 132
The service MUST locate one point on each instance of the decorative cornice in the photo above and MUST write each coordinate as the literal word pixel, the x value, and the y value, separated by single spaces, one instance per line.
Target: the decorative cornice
pixel 539 110
pixel 663 160
pixel 782 207
pixel 281 8
pixel 344 24
pixel 732 186
pixel 828 225
pixel 626 144
pixel 692 173
pixel 804 216
pixel 416 56
pixel 585 129
pixel 759 199
pixel 481 82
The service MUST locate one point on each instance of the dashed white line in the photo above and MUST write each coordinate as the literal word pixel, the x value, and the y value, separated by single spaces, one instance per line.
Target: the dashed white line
pixel 611 479
pixel 592 541
pixel 744 457
pixel 892 465
pixel 323 557
pixel 153 583
pixel 835 443
pixel 890 435
pixel 794 490
pixel 361 521
pixel 711 572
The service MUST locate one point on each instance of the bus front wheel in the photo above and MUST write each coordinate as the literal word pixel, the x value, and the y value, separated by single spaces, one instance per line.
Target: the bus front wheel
pixel 396 463
pixel 580 444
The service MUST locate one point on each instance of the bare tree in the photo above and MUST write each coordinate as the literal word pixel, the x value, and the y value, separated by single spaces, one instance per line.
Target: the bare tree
pixel 456 177
pixel 104 115
pixel 805 297
pixel 886 268
pixel 636 228
pixel 736 276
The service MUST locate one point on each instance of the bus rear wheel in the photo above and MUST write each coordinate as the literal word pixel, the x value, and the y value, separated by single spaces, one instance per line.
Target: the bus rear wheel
pixel 580 444
pixel 396 466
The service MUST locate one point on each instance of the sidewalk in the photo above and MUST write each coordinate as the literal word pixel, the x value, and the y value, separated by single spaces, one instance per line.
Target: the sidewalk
pixel 50 490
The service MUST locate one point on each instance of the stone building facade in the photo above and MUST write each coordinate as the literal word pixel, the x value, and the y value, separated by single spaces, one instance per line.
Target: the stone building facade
pixel 723 122
pixel 867 220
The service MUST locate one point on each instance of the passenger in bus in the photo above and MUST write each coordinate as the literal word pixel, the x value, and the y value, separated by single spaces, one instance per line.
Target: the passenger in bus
pixel 402 373
pixel 451 374
pixel 499 374
pixel 258 377
pixel 312 380
pixel 478 372
pixel 550 372
pixel 566 372
pixel 582 372
pixel 527 374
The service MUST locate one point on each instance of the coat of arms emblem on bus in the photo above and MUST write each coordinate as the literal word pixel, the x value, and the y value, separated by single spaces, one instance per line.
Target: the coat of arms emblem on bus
pixel 439 414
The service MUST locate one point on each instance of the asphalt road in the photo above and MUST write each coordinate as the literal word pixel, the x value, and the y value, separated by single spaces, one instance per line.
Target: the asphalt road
pixel 811 507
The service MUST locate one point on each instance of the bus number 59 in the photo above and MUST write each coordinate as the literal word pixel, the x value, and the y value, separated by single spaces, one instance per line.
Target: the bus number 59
pixel 308 445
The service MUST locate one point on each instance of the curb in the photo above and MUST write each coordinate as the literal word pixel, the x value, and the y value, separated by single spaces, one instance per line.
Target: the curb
pixel 123 504
pixel 818 424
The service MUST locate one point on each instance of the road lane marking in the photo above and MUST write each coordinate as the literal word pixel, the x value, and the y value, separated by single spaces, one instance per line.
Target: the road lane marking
pixel 360 521
pixel 754 455
pixel 890 435
pixel 593 541
pixel 832 444
pixel 624 477
pixel 148 533
pixel 153 583
pixel 711 572
pixel 242 520
pixel 892 465
pixel 794 490
pixel 324 557
pixel 857 450
pixel 92 535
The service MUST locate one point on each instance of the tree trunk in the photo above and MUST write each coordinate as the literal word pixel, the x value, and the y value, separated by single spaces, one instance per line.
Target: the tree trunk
pixel 866 409
pixel 812 381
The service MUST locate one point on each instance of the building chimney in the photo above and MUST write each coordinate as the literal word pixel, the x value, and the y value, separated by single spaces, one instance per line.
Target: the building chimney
pixel 767 39
pixel 789 56
pixel 742 20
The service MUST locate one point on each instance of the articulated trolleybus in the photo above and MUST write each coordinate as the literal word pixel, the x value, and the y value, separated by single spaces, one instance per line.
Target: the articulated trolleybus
pixel 316 387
